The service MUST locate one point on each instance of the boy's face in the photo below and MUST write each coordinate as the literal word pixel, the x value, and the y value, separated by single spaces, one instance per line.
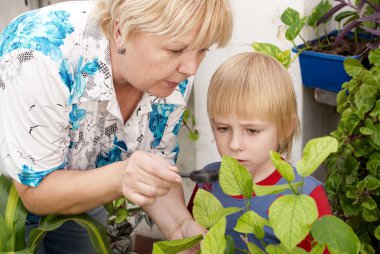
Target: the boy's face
pixel 249 142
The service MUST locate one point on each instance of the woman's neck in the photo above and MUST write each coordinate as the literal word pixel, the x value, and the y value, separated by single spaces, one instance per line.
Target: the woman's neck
pixel 127 97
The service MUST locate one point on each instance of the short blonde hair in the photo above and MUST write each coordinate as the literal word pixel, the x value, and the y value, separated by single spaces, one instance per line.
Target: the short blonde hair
pixel 167 17
pixel 254 85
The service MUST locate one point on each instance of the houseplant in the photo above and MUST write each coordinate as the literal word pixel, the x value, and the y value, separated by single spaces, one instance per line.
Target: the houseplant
pixel 12 224
pixel 286 215
pixel 321 59
pixel 353 181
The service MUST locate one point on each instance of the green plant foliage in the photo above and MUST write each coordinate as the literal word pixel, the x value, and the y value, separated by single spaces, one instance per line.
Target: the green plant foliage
pixel 235 179
pixel 251 222
pixel 189 122
pixel 12 218
pixel 215 241
pixel 337 235
pixel 205 205
pixel 175 246
pixel 283 57
pixel 291 217
pixel 315 152
pixel 353 182
pixel 95 230
pixel 285 169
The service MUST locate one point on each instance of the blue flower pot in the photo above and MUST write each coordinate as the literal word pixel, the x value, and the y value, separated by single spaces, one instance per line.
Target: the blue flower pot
pixel 321 70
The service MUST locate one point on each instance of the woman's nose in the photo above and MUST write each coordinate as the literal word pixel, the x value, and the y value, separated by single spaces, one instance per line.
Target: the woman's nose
pixel 189 64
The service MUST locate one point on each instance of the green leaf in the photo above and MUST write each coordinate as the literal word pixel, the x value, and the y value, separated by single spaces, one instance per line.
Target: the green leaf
pixel 262 190
pixel 366 249
pixel 318 11
pixel 375 137
pixel 285 58
pixel 293 31
pixel 291 217
pixel 122 215
pixel 230 245
pixel 344 14
pixel 253 248
pixel 374 57
pixel 4 233
pixel 336 234
pixel 14 215
pixel 175 246
pixel 369 203
pixel 370 215
pixel 353 67
pixel 366 96
pixel 281 249
pixel 205 205
pixel 377 232
pixel 315 152
pixel 234 179
pixel 251 222
pixel 318 249
pixel 376 111
pixel 186 115
pixel 95 230
pixel 283 167
pixel 223 212
pixel 215 242
pixel 266 48
pixel 119 202
pixel 290 16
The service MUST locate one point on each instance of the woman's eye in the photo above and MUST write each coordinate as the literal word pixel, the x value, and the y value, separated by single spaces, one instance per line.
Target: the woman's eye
pixel 176 51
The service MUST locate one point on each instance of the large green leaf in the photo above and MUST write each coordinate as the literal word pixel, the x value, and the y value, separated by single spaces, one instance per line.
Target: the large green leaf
pixel 290 16
pixel 14 214
pixel 251 222
pixel 374 57
pixel 315 152
pixel 291 217
pixel 262 190
pixel 234 179
pixel 253 248
pixel 281 249
pixel 353 67
pixel 293 31
pixel 318 11
pixel 224 212
pixel 336 234
pixel 282 166
pixel 215 241
pixel 205 205
pixel 366 96
pixel 175 246
pixel 95 230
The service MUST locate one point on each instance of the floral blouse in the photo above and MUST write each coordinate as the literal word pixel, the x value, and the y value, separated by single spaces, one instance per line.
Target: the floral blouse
pixel 58 108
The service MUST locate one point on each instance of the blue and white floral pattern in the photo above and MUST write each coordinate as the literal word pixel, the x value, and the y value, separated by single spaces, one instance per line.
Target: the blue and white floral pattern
pixel 55 72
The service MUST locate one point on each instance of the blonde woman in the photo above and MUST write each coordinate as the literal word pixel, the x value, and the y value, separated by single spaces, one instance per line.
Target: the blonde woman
pixel 91 99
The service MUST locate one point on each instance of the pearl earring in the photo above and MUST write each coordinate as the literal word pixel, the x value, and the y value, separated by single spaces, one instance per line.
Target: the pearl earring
pixel 121 51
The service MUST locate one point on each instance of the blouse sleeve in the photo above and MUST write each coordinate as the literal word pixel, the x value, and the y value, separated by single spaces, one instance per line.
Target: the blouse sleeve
pixel 34 125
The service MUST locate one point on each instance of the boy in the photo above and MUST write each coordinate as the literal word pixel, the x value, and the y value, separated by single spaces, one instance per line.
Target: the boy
pixel 252 109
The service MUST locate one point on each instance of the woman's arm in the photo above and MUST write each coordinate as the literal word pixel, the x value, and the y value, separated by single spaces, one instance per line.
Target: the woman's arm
pixel 141 178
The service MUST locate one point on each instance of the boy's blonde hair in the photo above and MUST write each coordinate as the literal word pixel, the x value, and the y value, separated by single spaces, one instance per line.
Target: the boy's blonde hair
pixel 167 17
pixel 255 86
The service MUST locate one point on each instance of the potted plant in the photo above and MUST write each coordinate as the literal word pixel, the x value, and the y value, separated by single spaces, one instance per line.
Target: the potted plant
pixel 286 215
pixel 321 59
pixel 353 181
pixel 12 225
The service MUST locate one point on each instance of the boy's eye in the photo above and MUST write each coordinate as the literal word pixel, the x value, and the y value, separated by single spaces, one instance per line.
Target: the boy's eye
pixel 252 131
pixel 222 129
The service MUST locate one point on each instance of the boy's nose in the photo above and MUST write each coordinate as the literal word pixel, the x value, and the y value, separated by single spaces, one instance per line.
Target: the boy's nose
pixel 236 142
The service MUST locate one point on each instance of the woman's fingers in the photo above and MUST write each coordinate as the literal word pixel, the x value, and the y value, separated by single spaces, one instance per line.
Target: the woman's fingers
pixel 148 176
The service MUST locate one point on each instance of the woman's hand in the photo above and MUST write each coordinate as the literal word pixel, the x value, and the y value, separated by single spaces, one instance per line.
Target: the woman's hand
pixel 147 176
pixel 189 229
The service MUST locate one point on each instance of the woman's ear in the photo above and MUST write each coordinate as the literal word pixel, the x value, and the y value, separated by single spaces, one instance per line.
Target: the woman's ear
pixel 118 39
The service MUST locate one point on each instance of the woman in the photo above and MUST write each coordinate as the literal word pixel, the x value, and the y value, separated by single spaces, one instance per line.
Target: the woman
pixel 91 101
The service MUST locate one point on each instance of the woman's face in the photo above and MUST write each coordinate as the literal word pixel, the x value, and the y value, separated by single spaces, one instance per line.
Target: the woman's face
pixel 157 63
